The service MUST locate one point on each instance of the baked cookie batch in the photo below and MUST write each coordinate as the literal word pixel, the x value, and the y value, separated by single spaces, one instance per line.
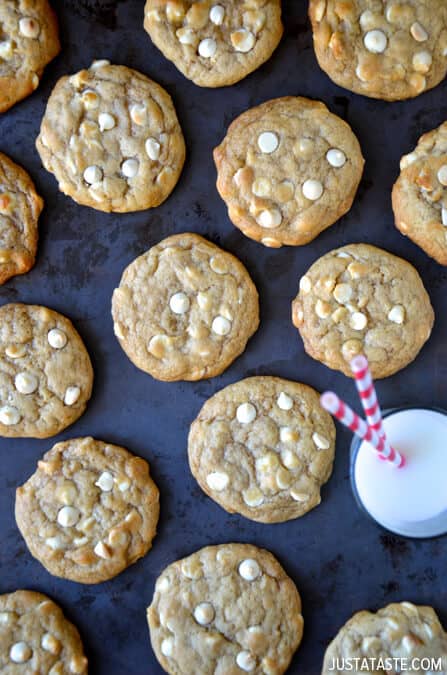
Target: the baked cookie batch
pixel 185 309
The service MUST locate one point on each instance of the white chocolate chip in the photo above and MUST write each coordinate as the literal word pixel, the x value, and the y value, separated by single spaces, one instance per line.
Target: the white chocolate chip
pixel 422 62
pixel 305 285
pixel 443 217
pixel 268 142
pixel 29 27
pixel 299 496
pixel 336 157
pixel 283 478
pixel 138 114
pixel 253 497
pixel 26 383
pixel 163 585
pixel 6 618
pixel 320 441
pixel 80 541
pixel 15 351
pixel 57 338
pixel 290 459
pixel 217 13
pixel 9 415
pixel 129 168
pixel 358 321
pixel 342 293
pixel 92 174
pixel 66 493
pixel 366 20
pixel 442 175
pixel 270 218
pixel 105 481
pixel 123 484
pixel 246 413
pixel 322 309
pixel 246 661
pixel 249 569
pixel 90 99
pixel 242 40
pixel 375 41
pixel 159 345
pixel 418 32
pixel 221 325
pixel 284 401
pixel 50 644
pixel 312 189
pixel 396 314
pixel 55 543
pixel 72 395
pixel 288 435
pixel 186 36
pixel 204 613
pixel 207 48
pixel 102 551
pixel 179 303
pixel 6 50
pixel 100 63
pixel 68 516
pixel 218 265
pixel 20 652
pixel 106 121
pixel 167 647
pixel 152 147
pixel 217 480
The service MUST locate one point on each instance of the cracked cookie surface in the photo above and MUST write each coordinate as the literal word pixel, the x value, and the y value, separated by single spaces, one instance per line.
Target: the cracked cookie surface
pixel 28 42
pixel 381 48
pixel 111 137
pixel 400 630
pixel 35 637
pixel 20 207
pixel 263 447
pixel 361 299
pixel 225 610
pixel 420 194
pixel 89 511
pixel 215 44
pixel 287 170
pixel 185 309
pixel 46 376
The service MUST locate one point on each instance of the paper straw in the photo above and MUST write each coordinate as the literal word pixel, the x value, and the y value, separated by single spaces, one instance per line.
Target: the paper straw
pixel 367 392
pixel 350 419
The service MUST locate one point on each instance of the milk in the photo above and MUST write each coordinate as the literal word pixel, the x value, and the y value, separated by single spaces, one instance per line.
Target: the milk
pixel 411 501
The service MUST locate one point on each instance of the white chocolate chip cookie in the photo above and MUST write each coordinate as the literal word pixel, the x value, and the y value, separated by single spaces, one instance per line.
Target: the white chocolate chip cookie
pixel 263 447
pixel 46 376
pixel 400 631
pixel 225 610
pixel 185 309
pixel 387 49
pixel 35 637
pixel 20 207
pixel 287 170
pixel 420 194
pixel 89 511
pixel 28 42
pixel 361 299
pixel 111 137
pixel 215 43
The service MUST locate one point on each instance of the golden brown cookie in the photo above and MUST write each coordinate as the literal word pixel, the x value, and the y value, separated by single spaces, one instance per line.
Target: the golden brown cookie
pixel 35 637
pixel 89 511
pixel 215 43
pixel 361 299
pixel 225 610
pixel 185 309
pixel 46 376
pixel 29 40
pixel 287 170
pixel 381 48
pixel 20 207
pixel 111 137
pixel 402 631
pixel 420 194
pixel 263 447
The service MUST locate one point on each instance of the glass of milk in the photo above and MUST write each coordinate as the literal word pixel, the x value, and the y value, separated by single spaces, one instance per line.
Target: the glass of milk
pixel 411 501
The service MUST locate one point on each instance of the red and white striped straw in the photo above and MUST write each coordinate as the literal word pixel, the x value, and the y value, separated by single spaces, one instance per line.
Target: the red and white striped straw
pixel 367 392
pixel 350 419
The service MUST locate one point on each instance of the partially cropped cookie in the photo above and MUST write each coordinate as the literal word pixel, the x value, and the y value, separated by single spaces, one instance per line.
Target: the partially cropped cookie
pixel 185 309
pixel 46 376
pixel 215 44
pixel 361 299
pixel 20 207
pixel 111 137
pixel 263 447
pixel 287 170
pixel 35 637
pixel 381 48
pixel 420 194
pixel 89 511
pixel 225 610
pixel 408 633
pixel 29 40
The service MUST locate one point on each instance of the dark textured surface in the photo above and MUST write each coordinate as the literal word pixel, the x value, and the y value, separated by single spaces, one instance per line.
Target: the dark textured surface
pixel 339 559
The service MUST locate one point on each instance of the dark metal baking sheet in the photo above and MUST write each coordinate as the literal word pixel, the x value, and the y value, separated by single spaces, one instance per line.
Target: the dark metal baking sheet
pixel 340 561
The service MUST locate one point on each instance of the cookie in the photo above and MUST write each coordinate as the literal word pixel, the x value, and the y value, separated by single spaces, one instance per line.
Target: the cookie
pixel 381 48
pixel 287 170
pixel 420 194
pixel 263 447
pixel 46 376
pixel 225 610
pixel 215 44
pixel 399 631
pixel 361 299
pixel 89 511
pixel 35 637
pixel 20 207
pixel 185 309
pixel 112 139
pixel 29 40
